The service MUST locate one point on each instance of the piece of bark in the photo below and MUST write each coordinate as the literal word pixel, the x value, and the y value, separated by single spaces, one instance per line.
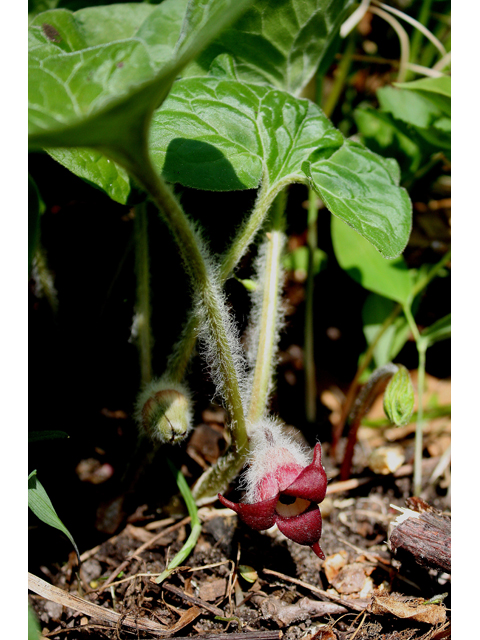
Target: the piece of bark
pixel 285 614
pixel 424 535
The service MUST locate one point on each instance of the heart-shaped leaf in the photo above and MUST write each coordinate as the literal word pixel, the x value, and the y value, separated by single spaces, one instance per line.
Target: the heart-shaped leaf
pixel 103 95
pixel 362 189
pixel 95 167
pixel 277 42
pixel 217 134
pixel 389 278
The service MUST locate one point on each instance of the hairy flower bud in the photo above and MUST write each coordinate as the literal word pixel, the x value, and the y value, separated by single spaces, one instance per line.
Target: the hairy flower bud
pixel 282 488
pixel 399 397
pixel 164 411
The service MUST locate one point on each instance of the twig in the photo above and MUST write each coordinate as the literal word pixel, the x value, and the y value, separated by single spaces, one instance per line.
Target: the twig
pixel 369 556
pixel 346 485
pixel 193 600
pixel 359 626
pixel 48 591
pixel 325 594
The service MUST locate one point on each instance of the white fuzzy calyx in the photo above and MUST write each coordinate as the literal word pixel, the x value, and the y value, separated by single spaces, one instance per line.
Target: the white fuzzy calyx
pixel 271 449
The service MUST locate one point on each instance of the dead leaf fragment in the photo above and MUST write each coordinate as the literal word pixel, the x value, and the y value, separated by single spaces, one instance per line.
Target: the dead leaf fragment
pixel 332 564
pixel 211 591
pixel 408 609
pixel 351 578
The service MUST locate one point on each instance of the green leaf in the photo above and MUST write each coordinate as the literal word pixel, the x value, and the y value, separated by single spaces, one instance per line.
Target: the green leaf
pixel 103 96
pixel 360 187
pixel 95 167
pixel 442 85
pixel 34 632
pixel 375 311
pixel 216 134
pixel 105 24
pixel 279 42
pixel 381 133
pixel 399 398
pixel 389 278
pixel 439 330
pixel 42 507
pixel 157 28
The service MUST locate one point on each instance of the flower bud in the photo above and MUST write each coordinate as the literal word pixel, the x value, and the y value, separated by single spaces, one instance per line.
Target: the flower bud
pixel 399 397
pixel 164 411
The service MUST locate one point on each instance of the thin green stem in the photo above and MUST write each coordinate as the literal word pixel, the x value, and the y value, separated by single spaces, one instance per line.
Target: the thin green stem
pixel 340 78
pixel 266 316
pixel 207 290
pixel 143 311
pixel 308 351
pixel 417 35
pixel 217 478
pixel 417 464
pixel 194 522
pixel 421 284
pixel 421 348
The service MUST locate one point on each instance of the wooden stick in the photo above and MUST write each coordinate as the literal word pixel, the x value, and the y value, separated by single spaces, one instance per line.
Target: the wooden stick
pixel 193 600
pixel 48 591
pixel 325 594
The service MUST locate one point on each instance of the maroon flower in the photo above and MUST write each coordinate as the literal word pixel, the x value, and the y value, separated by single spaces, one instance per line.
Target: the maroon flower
pixel 288 495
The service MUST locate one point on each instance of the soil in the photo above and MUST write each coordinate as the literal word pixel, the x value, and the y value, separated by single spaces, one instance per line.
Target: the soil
pixel 238 581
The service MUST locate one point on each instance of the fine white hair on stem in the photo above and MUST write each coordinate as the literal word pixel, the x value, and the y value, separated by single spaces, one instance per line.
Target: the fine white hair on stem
pixel 270 448
pixel 208 335
pixel 209 350
pixel 267 314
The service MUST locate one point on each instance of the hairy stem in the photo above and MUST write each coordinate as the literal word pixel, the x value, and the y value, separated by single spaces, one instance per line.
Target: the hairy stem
pixel 266 312
pixel 204 283
pixel 143 311
pixel 340 78
pixel 178 361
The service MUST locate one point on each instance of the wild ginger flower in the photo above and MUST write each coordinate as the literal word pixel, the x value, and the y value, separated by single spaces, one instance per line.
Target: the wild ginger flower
pixel 282 488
